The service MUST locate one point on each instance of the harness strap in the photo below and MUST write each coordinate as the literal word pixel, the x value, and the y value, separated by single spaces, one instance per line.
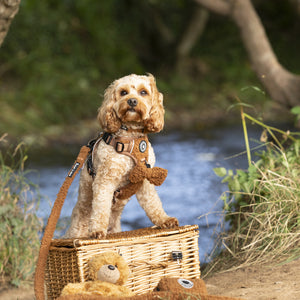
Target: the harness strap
pixel 138 150
pixel 122 145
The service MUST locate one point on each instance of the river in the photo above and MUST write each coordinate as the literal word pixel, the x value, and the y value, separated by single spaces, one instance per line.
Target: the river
pixel 191 189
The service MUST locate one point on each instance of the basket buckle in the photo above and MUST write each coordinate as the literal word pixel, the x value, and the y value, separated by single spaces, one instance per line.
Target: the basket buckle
pixel 176 256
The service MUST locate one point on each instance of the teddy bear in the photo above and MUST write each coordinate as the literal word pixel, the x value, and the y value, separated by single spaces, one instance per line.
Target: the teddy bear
pixel 141 171
pixel 183 289
pixel 108 272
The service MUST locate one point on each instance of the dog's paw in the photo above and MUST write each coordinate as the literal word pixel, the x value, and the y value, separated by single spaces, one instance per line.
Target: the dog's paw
pixel 97 234
pixel 170 223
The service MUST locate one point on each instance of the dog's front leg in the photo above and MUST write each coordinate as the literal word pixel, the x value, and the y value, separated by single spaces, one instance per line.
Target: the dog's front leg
pixel 150 202
pixel 104 187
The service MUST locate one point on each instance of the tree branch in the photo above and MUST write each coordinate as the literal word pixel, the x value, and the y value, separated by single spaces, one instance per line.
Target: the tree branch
pixel 282 86
pixel 222 7
pixel 194 30
pixel 8 9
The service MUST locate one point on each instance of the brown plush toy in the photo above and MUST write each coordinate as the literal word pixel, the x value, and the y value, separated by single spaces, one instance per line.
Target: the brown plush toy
pixel 141 171
pixel 184 289
pixel 108 273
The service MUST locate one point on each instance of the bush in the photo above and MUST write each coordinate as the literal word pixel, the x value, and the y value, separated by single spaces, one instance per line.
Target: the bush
pixel 19 225
pixel 262 204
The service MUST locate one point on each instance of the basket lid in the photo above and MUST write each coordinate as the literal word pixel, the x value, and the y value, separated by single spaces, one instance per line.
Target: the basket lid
pixel 142 233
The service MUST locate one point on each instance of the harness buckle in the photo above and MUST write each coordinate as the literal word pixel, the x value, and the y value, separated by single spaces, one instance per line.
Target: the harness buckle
pixel 119 147
pixel 107 137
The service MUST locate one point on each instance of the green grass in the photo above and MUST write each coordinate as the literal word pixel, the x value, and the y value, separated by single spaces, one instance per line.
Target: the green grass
pixel 19 225
pixel 262 203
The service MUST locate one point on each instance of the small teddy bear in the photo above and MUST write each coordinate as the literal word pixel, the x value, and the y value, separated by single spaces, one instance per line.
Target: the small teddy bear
pixel 108 272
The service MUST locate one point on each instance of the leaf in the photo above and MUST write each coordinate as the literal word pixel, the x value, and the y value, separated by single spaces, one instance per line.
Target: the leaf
pixel 257 89
pixel 226 179
pixel 221 172
pixel 234 185
pixel 243 176
pixel 230 173
pixel 296 110
pixel 239 105
pixel 224 198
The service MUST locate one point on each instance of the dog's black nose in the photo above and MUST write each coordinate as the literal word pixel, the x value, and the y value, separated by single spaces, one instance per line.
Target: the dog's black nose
pixel 111 267
pixel 132 102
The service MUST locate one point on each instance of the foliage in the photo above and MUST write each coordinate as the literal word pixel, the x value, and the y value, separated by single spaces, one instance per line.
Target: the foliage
pixel 262 204
pixel 19 225
pixel 296 111
pixel 55 68
pixel 59 55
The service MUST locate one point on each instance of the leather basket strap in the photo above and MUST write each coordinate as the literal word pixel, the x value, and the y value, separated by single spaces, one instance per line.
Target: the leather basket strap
pixel 39 279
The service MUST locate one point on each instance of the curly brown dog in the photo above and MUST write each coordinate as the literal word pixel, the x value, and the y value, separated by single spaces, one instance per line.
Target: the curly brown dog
pixel 132 107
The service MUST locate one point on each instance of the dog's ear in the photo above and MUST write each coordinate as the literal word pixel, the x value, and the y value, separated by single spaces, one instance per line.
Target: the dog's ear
pixel 155 122
pixel 107 117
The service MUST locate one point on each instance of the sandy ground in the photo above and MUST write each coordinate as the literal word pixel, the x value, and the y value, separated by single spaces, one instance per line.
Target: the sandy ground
pixel 256 283
pixel 261 282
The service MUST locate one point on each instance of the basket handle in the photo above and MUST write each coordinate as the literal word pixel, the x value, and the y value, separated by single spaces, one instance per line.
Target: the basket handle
pixel 39 279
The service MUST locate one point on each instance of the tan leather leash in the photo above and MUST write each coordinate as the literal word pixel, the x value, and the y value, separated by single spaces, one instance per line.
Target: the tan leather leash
pixel 39 279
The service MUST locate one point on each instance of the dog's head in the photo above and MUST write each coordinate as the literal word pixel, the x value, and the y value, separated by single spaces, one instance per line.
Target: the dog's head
pixel 132 99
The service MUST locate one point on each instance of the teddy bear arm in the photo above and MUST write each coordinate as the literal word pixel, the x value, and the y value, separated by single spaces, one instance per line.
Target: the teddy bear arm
pixel 75 288
pixel 158 176
pixel 108 289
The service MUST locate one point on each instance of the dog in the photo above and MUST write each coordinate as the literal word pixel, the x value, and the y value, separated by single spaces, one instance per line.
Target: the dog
pixel 132 108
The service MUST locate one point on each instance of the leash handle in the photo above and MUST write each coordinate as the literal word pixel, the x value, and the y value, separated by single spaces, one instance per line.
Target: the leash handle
pixel 39 278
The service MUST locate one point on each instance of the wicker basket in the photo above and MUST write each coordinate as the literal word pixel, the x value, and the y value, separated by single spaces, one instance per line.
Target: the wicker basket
pixel 150 253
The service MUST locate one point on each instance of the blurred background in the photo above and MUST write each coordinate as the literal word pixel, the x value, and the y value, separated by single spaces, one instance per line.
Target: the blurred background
pixel 60 55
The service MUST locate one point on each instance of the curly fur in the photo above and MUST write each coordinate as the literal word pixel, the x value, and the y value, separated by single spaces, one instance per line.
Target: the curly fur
pixel 95 213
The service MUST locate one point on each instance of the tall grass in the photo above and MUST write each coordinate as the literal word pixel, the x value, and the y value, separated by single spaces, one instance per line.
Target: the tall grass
pixel 262 203
pixel 19 225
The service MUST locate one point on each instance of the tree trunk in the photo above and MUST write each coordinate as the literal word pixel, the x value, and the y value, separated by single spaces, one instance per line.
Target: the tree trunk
pixel 282 86
pixel 8 9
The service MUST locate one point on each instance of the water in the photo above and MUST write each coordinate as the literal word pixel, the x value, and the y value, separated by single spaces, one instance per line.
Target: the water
pixel 191 189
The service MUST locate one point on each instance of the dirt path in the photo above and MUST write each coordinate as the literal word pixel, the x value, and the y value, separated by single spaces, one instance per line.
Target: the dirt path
pixel 258 283
pixel 252 283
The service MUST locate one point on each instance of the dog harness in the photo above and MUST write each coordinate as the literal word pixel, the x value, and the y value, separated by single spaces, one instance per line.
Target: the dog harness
pixel 138 150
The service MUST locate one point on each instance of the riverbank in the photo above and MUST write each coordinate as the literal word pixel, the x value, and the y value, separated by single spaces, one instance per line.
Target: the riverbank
pixel 205 117
pixel 258 282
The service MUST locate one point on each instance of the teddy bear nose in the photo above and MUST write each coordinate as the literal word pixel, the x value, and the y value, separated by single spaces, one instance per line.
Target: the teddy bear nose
pixel 132 102
pixel 111 267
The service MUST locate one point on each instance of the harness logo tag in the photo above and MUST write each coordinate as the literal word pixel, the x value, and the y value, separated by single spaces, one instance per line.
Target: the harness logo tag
pixel 143 146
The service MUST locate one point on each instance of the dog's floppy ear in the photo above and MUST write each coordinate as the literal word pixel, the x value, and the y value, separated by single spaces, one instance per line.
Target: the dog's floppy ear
pixel 107 117
pixel 155 122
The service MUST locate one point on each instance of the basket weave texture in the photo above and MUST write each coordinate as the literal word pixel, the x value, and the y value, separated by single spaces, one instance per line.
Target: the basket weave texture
pixel 147 251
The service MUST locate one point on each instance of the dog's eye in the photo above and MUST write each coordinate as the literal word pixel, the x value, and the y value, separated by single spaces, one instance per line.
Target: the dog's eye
pixel 123 93
pixel 143 92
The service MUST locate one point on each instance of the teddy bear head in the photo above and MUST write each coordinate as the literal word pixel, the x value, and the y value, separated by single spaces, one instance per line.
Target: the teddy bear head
pixel 109 267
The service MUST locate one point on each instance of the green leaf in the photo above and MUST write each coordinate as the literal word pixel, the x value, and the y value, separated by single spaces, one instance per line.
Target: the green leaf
pixel 296 110
pixel 221 172
pixel 255 88
pixel 226 179
pixel 243 176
